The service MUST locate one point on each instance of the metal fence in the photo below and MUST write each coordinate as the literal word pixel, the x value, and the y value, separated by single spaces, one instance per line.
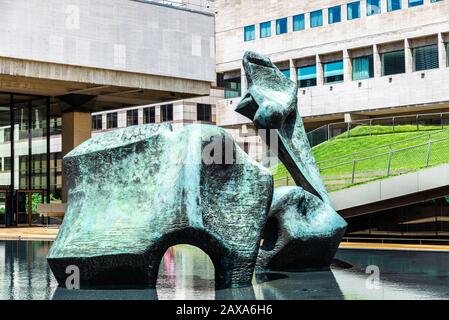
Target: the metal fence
pixel 422 122
pixel 381 165
pixel 199 5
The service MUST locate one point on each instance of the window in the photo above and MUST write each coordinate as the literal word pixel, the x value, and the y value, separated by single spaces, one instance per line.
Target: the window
pixel 286 73
pixel 372 7
pixel 265 29
pixel 299 22
pixel 316 18
pixel 232 88
pixel 334 14
pixel 447 54
pixel 111 120
pixel 97 122
pixel 149 115
pixel 362 68
pixel 167 112
pixel 204 112
pixel 250 33
pixel 281 26
pixel 132 117
pixel 393 62
pixel 7 164
pixel 425 57
pixel 393 5
pixel 415 3
pixel 353 10
pixel 307 76
pixel 333 71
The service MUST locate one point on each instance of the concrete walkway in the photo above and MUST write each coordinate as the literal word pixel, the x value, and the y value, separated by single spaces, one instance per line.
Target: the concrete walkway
pixel 29 233
pixel 49 234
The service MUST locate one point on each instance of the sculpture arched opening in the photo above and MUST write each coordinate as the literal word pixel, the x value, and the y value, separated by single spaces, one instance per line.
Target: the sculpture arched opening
pixel 270 234
pixel 230 271
pixel 184 270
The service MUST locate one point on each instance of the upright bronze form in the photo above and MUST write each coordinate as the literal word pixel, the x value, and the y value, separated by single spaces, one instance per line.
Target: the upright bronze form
pixel 303 230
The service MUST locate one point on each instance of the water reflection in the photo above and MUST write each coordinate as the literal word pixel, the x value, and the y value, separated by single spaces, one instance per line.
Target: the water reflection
pixel 188 273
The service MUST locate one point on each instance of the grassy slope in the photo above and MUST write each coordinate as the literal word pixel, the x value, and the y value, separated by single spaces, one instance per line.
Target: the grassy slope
pixel 343 149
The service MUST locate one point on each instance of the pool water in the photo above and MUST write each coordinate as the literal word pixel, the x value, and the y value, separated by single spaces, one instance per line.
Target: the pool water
pixel 187 273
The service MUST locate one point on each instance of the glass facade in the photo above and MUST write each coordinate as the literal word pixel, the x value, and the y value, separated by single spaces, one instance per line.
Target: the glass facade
pixel 29 173
pixel 353 10
pixel 149 115
pixel 316 18
pixel 415 3
pixel 281 26
pixel 250 33
pixel 393 62
pixel 333 71
pixel 307 76
pixel 362 68
pixel 265 29
pixel 167 112
pixel 299 22
pixel 132 117
pixel 286 73
pixel 334 14
pixel 232 88
pixel 393 5
pixel 372 7
pixel 204 112
pixel 425 58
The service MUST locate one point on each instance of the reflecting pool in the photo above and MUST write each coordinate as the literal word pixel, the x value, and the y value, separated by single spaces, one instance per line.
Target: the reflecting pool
pixel 187 273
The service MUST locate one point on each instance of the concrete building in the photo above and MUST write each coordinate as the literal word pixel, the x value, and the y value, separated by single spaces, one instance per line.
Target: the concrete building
pixel 351 59
pixel 62 60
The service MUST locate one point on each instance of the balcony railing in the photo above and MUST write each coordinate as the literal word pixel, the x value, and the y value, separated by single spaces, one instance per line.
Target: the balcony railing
pixel 198 5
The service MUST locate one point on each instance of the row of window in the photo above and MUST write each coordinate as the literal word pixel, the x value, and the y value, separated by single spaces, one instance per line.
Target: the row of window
pixel 353 11
pixel 393 62
pixel 204 113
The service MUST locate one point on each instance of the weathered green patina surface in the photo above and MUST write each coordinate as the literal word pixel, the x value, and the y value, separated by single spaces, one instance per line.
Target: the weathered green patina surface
pixel 303 231
pixel 136 191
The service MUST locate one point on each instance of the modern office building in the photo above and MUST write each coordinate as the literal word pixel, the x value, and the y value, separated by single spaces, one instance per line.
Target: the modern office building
pixel 62 60
pixel 351 59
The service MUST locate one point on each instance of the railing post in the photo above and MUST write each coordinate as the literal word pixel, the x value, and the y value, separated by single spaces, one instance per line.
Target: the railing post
pixel 394 123
pixel 370 127
pixel 353 172
pixel 286 180
pixel 441 120
pixel 348 128
pixel 428 153
pixel 390 155
pixel 417 123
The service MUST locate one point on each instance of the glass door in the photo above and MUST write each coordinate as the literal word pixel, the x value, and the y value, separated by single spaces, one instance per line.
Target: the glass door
pixel 27 204
pixel 3 206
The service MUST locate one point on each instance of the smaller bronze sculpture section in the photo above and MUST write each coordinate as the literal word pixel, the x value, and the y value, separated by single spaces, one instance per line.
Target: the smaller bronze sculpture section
pixel 303 231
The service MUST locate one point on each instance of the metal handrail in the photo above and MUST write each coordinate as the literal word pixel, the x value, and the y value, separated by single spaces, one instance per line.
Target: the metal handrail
pixel 385 145
pixel 385 153
pixel 383 239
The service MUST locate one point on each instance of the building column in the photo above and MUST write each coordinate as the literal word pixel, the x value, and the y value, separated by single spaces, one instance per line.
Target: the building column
pixel 347 66
pixel 362 9
pixel 408 56
pixel 319 71
pixel 383 6
pixel 293 72
pixel 244 82
pixel 442 54
pixel 76 128
pixel 377 62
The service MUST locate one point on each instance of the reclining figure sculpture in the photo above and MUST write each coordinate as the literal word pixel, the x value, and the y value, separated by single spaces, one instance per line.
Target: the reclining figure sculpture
pixel 303 231
pixel 135 192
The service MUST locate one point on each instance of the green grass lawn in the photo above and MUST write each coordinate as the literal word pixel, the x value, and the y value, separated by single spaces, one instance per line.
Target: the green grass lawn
pixel 335 157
